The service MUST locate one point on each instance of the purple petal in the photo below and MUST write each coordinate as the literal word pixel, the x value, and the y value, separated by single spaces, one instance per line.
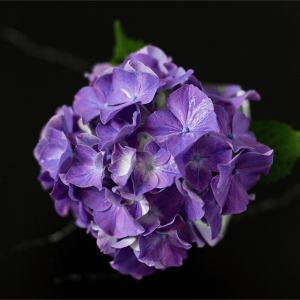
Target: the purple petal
pixel 123 162
pixel 194 205
pixel 83 218
pixel 203 120
pixel 198 175
pixel 98 161
pixel 104 83
pixel 138 208
pixel 118 222
pixel 237 199
pixel 126 192
pixel 196 112
pixel 179 79
pixel 178 104
pixel 55 153
pixel 161 124
pixel 46 180
pixel 108 132
pixel 164 244
pixel 107 113
pixel 60 190
pixel 124 242
pixel 221 193
pixel 143 180
pixel 138 84
pixel 231 90
pixel 222 119
pixel 229 109
pixel 240 123
pixel 107 220
pixel 257 147
pixel 152 148
pixel 85 176
pixel 88 103
pixel 114 198
pixel 181 200
pixel 149 262
pixel 50 158
pixel 161 157
pixel 126 262
pixel 152 247
pixel 197 163
pixel 167 173
pixel 123 153
pixel 190 234
pixel 104 241
pixel 127 114
pixel 125 84
pixel 74 192
pixel 194 81
pixel 152 219
pixel 119 168
pixel 241 142
pixel 158 54
pixel 255 162
pixel 68 114
pixel 62 207
pixel 85 154
pixel 58 122
pixel 175 250
pixel 139 139
pixel 212 214
pixel 176 224
pixel 39 147
pixel 149 222
pixel 99 69
pixel 95 199
pixel 225 172
pixel 149 86
pixel 87 139
pixel 147 60
pixel 238 100
pixel 177 143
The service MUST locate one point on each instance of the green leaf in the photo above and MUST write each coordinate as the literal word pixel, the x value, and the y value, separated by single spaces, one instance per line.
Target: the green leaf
pixel 123 45
pixel 284 141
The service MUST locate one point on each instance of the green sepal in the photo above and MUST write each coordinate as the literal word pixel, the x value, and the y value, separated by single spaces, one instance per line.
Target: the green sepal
pixel 225 221
pixel 123 45
pixel 284 141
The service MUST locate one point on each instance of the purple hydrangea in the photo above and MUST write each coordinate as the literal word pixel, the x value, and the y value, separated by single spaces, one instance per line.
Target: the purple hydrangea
pixel 235 132
pixel 197 163
pixel 236 177
pixel 89 170
pixel 98 70
pixel 155 168
pixel 149 175
pixel 232 94
pixel 190 116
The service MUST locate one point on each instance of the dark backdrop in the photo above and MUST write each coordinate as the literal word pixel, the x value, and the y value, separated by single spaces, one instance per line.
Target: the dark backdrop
pixel 253 44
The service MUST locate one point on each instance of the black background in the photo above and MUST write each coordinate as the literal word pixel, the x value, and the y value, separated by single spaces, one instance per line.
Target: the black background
pixel 252 44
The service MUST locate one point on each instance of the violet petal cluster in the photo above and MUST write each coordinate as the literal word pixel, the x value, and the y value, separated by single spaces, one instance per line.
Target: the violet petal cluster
pixel 146 183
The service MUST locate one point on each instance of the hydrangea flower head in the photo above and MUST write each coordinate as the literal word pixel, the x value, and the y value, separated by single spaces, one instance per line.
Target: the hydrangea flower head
pixel 149 175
